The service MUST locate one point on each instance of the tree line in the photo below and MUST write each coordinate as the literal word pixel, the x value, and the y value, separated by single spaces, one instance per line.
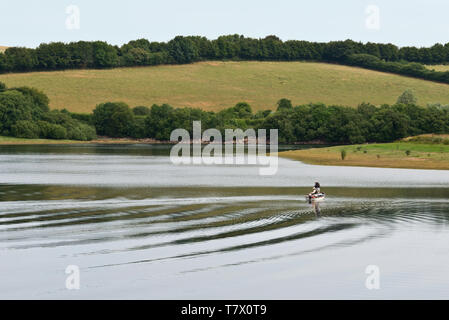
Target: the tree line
pixel 412 69
pixel 304 123
pixel 181 50
pixel 24 113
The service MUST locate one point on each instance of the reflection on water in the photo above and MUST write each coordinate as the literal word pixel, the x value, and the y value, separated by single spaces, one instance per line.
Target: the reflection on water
pixel 316 208
pixel 183 240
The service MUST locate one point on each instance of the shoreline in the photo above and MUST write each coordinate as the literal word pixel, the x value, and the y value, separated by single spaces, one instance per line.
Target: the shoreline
pixel 398 155
pixel 106 140
pixel 11 141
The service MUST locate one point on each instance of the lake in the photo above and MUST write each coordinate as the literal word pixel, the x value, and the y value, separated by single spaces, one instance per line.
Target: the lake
pixel 139 227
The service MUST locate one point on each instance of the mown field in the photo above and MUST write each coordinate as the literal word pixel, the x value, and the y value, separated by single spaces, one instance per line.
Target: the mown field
pixel 404 154
pixel 217 85
pixel 440 67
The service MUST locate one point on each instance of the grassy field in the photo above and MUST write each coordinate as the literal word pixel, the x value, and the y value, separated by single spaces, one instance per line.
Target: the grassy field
pixel 217 85
pixel 441 67
pixel 413 155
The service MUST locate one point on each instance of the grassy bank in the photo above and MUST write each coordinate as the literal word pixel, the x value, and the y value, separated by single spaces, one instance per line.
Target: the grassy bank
pixel 18 141
pixel 217 85
pixel 406 154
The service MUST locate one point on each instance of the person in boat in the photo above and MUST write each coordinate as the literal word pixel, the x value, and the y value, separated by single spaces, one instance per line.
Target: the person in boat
pixel 316 189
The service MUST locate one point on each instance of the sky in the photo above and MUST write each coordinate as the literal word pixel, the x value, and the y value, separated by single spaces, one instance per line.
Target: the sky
pixel 412 22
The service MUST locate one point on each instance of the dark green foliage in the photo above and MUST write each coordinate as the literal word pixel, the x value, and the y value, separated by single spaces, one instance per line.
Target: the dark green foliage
pixel 284 104
pixel 114 119
pixel 74 129
pixel 159 124
pixel 367 123
pixel 183 50
pixel 14 106
pixel 141 111
pixel 412 69
pixel 53 56
pixel 2 86
pixel 54 131
pixel 39 98
pixel 407 97
pixel 87 118
pixel 3 67
pixel 20 59
pixel 139 43
pixel 24 113
pixel 138 130
pixel 241 110
pixel 137 57
pixel 82 55
pixel 105 55
pixel 262 114
pixel 25 129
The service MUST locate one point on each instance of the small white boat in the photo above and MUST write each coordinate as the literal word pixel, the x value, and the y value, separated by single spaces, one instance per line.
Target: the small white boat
pixel 316 197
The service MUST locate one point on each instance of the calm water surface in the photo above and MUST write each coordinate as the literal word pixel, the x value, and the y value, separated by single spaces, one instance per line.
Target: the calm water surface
pixel 139 227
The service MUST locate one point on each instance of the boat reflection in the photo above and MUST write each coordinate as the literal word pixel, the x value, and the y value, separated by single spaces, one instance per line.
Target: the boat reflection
pixel 316 207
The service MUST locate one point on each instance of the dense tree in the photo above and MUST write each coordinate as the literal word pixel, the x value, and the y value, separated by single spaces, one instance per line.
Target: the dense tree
pixel 39 98
pixel 407 97
pixel 105 56
pixel 14 107
pixel 158 123
pixel 20 59
pixel 24 113
pixel 25 129
pixel 141 111
pixel 53 56
pixel 137 57
pixel 113 119
pixel 82 54
pixel 284 104
pixel 140 43
pixel 241 110
pixel 183 50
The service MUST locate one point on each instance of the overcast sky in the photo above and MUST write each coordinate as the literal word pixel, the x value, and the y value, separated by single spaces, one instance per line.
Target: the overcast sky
pixel 412 22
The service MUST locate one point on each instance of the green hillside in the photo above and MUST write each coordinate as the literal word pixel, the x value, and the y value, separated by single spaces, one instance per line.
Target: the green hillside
pixel 217 85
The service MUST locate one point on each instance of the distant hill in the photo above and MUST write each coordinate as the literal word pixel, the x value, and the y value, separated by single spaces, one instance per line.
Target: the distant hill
pixel 3 48
pixel 217 85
